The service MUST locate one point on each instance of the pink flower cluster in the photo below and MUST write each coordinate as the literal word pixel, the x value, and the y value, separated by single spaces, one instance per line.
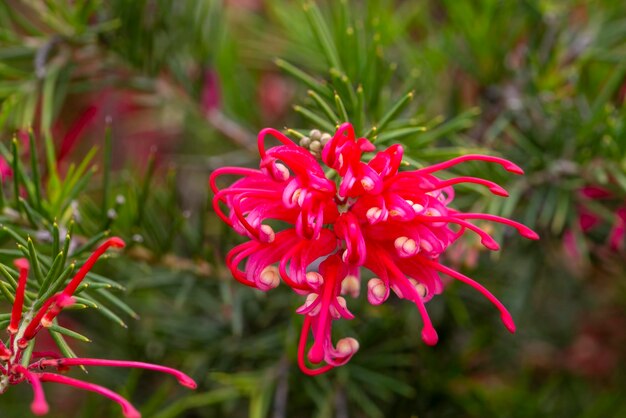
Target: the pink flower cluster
pixel 589 220
pixel 317 229
pixel 19 364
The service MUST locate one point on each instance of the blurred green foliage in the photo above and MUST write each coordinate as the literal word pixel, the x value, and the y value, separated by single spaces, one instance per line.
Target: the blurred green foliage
pixel 166 91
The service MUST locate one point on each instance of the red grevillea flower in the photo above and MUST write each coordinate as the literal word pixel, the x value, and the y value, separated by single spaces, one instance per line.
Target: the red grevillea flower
pixel 396 224
pixel 18 364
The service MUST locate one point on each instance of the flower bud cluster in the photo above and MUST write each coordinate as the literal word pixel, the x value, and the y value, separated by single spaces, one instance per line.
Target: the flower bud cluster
pixel 315 142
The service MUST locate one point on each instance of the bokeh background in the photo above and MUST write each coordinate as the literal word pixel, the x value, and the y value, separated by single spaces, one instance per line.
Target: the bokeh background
pixel 184 86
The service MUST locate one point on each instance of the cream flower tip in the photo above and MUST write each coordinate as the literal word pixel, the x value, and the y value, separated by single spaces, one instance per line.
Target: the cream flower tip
pixel 406 246
pixel 419 287
pixel 421 290
pixel 314 279
pixel 347 346
pixel 417 207
pixel 426 246
pixel 295 196
pixel 342 302
pixel 373 214
pixel 432 212
pixel 267 233
pixel 376 288
pixel 351 286
pixel 367 183
pixel 310 307
pixel 270 277
pixel 310 299
pixel 281 172
pixel 399 242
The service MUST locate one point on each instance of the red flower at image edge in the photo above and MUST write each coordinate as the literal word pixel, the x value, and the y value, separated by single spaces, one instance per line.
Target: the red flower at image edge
pixel 396 224
pixel 18 363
